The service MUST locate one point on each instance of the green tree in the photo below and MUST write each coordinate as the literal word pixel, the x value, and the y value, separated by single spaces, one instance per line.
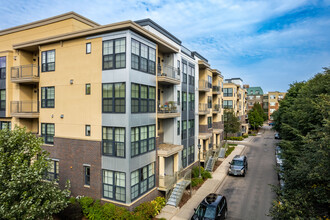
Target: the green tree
pixel 231 122
pixel 23 192
pixel 303 120
pixel 255 119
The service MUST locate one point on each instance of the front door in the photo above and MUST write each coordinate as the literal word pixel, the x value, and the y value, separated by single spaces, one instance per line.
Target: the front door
pixel 169 166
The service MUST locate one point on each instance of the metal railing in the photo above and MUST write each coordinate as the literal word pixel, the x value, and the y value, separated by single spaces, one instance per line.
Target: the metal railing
pixel 168 181
pixel 24 106
pixel 168 71
pixel 25 72
pixel 216 88
pixel 203 84
pixel 203 108
pixel 168 107
pixel 216 107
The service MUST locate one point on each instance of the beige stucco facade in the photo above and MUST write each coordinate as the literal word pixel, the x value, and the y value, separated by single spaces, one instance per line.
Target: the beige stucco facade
pixel 274 99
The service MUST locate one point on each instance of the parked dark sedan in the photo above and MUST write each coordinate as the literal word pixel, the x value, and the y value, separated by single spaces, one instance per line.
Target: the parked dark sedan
pixel 238 166
pixel 214 206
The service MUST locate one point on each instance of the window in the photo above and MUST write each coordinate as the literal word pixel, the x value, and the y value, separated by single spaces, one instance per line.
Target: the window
pixel 142 139
pixel 191 154
pixel 227 104
pixel 2 100
pixel 87 174
pixel 113 98
pixel 184 130
pixel 184 157
pixel 179 67
pixel 184 101
pixel 191 128
pixel 5 125
pixel 113 141
pixel 87 130
pixel 53 171
pixel 178 96
pixel 209 101
pixel 88 89
pixel 143 57
pixel 48 61
pixel 143 98
pixel 271 110
pixel 142 180
pixel 184 71
pixel 48 132
pixel 2 67
pixel 272 103
pixel 47 97
pixel 272 97
pixel 88 48
pixel 191 101
pixel 209 81
pixel 114 185
pixel 178 127
pixel 114 54
pixel 227 92
pixel 209 122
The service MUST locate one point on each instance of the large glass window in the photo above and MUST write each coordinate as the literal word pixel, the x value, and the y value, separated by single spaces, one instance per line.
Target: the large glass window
pixel 113 141
pixel 114 54
pixel 142 139
pixel 142 180
pixel 48 132
pixel 184 129
pixel 184 101
pixel 209 122
pixel 2 99
pixel 114 185
pixel 48 61
pixel 227 92
pixel 227 104
pixel 209 101
pixel 184 71
pixel 5 125
pixel 191 154
pixel 191 127
pixel 143 98
pixel 2 67
pixel 47 97
pixel 184 157
pixel 113 97
pixel 143 57
pixel 53 171
pixel 87 174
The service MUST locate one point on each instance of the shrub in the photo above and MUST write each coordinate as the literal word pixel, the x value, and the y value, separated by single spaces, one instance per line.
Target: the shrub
pixel 196 181
pixel 111 211
pixel 72 211
pixel 85 203
pixel 206 174
pixel 146 209
pixel 95 212
pixel 229 150
pixel 195 171
pixel 245 136
pixel 160 203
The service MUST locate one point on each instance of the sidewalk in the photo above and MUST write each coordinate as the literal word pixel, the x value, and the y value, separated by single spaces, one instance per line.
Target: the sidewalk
pixel 209 186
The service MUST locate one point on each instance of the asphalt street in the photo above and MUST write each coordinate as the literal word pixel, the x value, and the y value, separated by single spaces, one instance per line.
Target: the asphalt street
pixel 250 197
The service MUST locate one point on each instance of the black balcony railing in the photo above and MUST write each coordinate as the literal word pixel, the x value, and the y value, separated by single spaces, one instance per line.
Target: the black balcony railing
pixel 168 71
pixel 24 107
pixel 216 89
pixel 168 107
pixel 216 107
pixel 24 72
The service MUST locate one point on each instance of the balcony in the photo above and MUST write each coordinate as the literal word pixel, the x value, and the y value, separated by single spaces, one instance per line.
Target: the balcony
pixel 216 90
pixel 204 86
pixel 168 110
pixel 24 109
pixel 203 109
pixel 216 109
pixel 25 74
pixel 168 75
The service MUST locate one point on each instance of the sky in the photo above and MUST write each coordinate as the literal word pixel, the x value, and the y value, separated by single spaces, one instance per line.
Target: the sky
pixel 270 43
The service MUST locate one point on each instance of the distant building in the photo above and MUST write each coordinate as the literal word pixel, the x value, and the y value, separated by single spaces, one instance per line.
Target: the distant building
pixel 273 99
pixel 254 95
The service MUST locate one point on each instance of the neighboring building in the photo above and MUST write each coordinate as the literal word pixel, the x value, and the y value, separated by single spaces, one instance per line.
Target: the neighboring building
pixel 274 99
pixel 209 109
pixel 116 104
pixel 234 97
pixel 265 103
pixel 254 95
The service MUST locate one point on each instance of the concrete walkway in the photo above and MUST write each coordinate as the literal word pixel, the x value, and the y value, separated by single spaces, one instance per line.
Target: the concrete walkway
pixel 209 186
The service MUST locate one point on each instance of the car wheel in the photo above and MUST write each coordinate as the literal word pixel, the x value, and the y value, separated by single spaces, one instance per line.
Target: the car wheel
pixel 226 213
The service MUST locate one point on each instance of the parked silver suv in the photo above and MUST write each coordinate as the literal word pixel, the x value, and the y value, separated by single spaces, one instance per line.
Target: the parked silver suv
pixel 238 166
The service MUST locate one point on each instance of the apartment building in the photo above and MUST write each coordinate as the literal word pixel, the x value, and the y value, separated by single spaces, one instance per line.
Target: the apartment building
pixel 254 95
pixel 265 103
pixel 116 104
pixel 234 97
pixel 210 111
pixel 274 99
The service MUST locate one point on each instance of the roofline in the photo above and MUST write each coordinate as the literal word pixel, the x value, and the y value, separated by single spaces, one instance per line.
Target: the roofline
pixel 49 21
pixel 97 30
pixel 199 56
pixel 159 28
pixel 234 79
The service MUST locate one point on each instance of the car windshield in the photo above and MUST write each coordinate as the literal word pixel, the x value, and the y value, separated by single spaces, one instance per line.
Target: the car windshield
pixel 200 211
pixel 237 163
pixel 210 212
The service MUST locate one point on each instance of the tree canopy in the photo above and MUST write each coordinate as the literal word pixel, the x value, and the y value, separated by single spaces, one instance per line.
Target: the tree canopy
pixel 256 116
pixel 231 122
pixel 24 194
pixel 304 125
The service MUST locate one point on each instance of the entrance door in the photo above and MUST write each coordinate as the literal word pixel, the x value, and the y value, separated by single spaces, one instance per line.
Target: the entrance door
pixel 169 166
